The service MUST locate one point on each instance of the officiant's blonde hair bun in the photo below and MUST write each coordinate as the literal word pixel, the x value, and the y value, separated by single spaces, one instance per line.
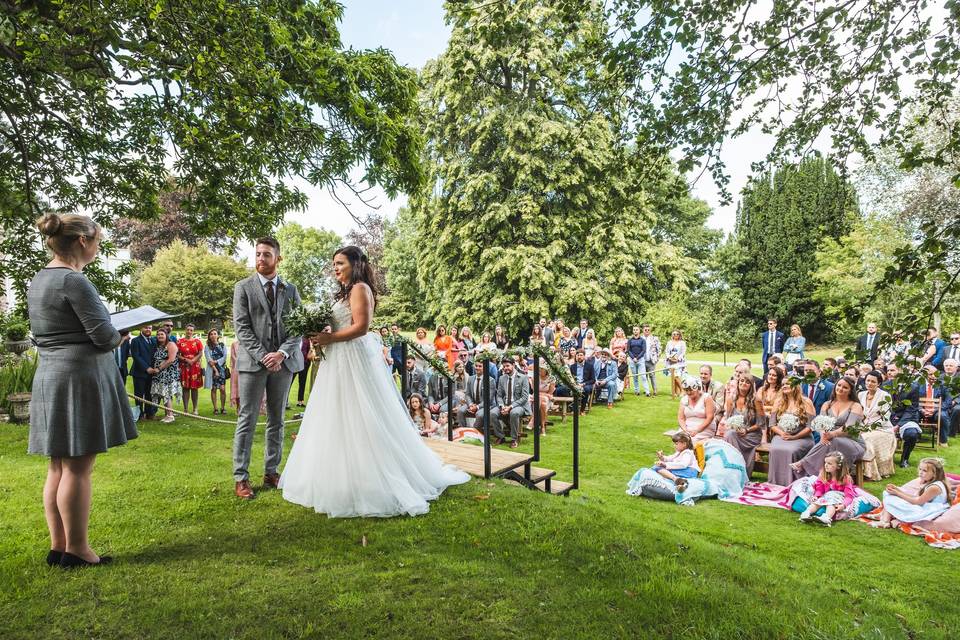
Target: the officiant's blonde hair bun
pixel 62 231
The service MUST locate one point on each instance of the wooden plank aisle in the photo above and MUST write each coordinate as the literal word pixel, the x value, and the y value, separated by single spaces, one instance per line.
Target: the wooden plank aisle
pixel 470 457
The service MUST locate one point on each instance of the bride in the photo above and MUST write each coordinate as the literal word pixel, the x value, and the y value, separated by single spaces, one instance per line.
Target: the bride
pixel 357 452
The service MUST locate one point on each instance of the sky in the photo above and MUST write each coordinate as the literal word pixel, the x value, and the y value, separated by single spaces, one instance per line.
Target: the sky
pixel 415 32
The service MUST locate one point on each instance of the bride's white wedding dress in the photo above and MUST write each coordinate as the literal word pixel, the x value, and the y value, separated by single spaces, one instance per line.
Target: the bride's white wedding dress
pixel 357 452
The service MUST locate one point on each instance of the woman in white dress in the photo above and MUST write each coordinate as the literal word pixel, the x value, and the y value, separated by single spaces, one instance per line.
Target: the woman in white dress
pixel 357 452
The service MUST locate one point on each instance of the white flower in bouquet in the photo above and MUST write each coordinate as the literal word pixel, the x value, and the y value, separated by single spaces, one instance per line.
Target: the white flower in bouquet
pixel 735 423
pixel 309 318
pixel 823 423
pixel 789 423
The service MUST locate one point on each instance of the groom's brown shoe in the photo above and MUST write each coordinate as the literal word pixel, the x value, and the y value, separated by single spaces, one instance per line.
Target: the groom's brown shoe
pixel 271 481
pixel 244 491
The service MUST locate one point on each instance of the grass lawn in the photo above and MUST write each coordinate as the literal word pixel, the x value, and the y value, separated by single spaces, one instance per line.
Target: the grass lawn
pixel 489 561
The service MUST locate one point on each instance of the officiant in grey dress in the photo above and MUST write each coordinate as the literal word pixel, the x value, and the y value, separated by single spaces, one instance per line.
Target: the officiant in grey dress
pixel 267 359
pixel 79 405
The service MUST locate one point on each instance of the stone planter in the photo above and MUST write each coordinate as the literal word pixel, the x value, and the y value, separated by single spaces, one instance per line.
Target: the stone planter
pixel 19 407
pixel 17 346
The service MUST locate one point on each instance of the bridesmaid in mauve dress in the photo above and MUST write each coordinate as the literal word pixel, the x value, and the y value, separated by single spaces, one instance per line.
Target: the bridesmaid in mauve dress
pixel 846 410
pixel 746 404
pixel 786 448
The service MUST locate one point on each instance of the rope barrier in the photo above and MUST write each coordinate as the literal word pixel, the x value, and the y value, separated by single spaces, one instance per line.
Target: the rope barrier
pixel 194 416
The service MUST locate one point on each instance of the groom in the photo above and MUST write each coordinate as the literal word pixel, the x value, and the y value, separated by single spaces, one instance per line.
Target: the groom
pixel 267 359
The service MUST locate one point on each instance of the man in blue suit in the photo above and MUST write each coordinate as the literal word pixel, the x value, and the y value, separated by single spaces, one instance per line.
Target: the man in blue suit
pixel 772 341
pixel 821 390
pixel 141 350
pixel 584 373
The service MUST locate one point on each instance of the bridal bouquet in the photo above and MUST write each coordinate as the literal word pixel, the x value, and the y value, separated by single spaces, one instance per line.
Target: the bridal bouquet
pixel 821 424
pixel 312 317
pixel 789 423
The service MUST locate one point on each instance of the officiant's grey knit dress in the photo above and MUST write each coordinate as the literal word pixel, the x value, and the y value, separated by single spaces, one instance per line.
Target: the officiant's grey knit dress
pixel 79 405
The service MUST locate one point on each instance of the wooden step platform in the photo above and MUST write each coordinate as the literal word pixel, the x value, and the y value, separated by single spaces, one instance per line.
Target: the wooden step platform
pixel 537 475
pixel 469 457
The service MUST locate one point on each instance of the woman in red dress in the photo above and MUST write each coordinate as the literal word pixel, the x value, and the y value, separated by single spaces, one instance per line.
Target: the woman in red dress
pixel 191 373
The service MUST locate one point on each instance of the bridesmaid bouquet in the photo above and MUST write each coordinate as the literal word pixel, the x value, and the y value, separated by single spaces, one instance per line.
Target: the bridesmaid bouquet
pixel 312 317
pixel 789 423
pixel 735 423
pixel 821 424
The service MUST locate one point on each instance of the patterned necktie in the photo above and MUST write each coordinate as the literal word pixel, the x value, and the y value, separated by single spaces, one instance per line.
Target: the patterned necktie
pixel 929 390
pixel 271 296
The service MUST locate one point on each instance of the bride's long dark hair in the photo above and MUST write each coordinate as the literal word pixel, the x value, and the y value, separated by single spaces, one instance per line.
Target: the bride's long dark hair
pixel 360 271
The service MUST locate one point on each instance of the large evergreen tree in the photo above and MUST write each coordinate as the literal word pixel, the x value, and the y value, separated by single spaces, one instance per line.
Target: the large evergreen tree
pixel 531 208
pixel 783 219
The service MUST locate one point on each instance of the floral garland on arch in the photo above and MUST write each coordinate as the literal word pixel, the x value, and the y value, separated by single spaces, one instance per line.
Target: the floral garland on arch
pixel 436 363
pixel 554 365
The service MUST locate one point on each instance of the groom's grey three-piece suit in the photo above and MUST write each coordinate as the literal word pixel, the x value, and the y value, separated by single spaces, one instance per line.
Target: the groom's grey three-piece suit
pixel 260 330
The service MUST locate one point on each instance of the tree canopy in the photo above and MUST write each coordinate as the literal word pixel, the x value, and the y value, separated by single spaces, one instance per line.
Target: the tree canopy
pixel 306 262
pixel 99 102
pixel 192 281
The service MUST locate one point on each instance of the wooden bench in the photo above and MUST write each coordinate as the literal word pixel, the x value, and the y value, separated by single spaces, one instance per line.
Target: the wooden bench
pixel 762 464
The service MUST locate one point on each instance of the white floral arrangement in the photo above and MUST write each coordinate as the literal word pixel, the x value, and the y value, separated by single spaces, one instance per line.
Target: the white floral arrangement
pixel 821 424
pixel 789 423
pixel 735 423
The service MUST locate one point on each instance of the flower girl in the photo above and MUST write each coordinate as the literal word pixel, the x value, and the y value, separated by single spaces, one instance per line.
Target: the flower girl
pixel 832 491
pixel 680 465
pixel 931 501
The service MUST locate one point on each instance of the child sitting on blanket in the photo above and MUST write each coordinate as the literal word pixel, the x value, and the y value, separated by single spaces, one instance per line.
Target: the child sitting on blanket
pixel 834 490
pixel 931 501
pixel 681 464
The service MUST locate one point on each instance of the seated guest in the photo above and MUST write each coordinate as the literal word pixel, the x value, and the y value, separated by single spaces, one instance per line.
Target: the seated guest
pixel 881 441
pixel 513 398
pixel 420 416
pixel 607 377
pixel 570 357
pixel 697 412
pixel 682 463
pixel 746 404
pixel 906 413
pixel 775 361
pixel 474 398
pixel 933 499
pixel 769 394
pixel 846 410
pixel 862 371
pixel 794 346
pixel 714 388
pixel 623 369
pixel 745 367
pixel 831 369
pixel 931 389
pixel 788 422
pixel 820 391
pixel 547 389
pixel 437 392
pixel 416 381
pixel 584 373
pixel 950 380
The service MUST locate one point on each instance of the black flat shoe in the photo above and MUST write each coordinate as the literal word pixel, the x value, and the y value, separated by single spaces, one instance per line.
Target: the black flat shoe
pixel 53 557
pixel 70 561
